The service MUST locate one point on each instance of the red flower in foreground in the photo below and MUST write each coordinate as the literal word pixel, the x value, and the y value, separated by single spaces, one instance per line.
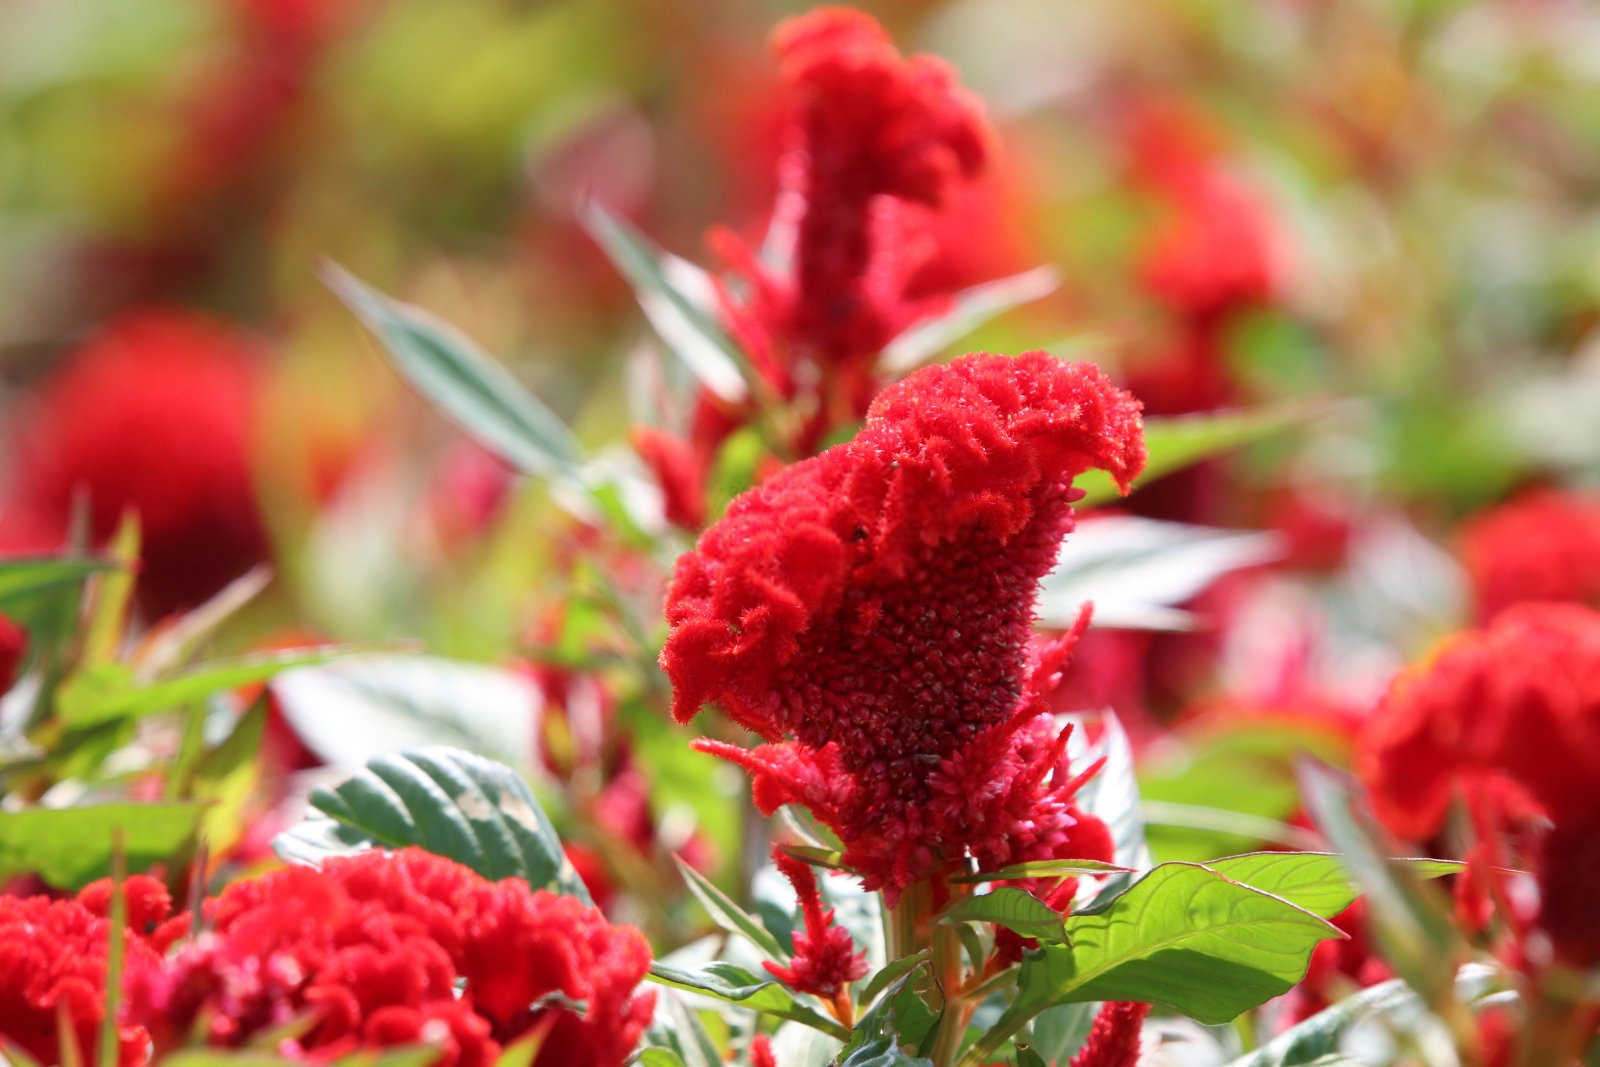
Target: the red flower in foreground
pixel 154 414
pixel 875 604
pixel 1508 715
pixel 53 965
pixel 373 949
pixel 825 958
pixel 1543 546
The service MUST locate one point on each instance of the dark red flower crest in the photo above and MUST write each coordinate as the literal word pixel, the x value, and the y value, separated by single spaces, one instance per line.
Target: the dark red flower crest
pixel 875 604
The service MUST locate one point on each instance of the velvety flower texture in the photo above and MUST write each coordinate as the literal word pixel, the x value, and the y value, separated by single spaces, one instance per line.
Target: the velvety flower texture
pixel 154 415
pixel 1544 545
pixel 374 947
pixel 1113 1041
pixel 869 612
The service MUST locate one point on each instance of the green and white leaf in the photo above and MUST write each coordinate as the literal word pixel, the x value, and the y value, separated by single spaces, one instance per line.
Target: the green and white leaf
pixel 354 710
pixel 1135 570
pixel 969 309
pixel 447 801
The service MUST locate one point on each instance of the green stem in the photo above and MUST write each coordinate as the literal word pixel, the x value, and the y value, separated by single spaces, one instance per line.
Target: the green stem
pixel 953 1020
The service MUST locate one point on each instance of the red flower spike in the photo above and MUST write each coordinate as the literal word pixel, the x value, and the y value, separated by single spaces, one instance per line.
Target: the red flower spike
pixel 875 604
pixel 1113 1041
pixel 1512 710
pixel 761 1054
pixel 1543 546
pixel 825 958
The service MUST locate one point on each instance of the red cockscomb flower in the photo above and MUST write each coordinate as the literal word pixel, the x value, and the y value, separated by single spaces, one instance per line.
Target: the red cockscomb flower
pixel 153 415
pixel 1543 546
pixel 1509 714
pixel 373 949
pixel 875 604
pixel 53 969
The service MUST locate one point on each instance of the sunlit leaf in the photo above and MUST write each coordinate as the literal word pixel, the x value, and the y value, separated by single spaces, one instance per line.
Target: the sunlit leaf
pixel 732 984
pixel 1015 909
pixel 108 691
pixel 969 309
pixel 69 847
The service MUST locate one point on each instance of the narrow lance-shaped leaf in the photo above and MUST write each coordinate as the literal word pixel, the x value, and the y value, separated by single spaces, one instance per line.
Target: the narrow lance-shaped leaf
pixel 674 297
pixel 1182 440
pixel 1015 909
pixel 447 801
pixel 466 384
pixel 732 984
pixel 969 309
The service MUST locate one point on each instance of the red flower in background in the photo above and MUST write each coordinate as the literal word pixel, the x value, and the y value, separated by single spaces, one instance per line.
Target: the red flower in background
pixel 1113 1040
pixel 1543 546
pixel 1509 713
pixel 875 604
pixel 374 947
pixel 153 414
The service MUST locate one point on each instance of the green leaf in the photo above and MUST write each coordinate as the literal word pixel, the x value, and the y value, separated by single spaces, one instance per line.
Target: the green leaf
pixel 70 847
pixel 732 984
pixel 1042 869
pixel 25 577
pixel 678 1030
pixel 1136 570
pixel 108 691
pixel 1413 926
pixel 728 915
pixel 403 1056
pixel 449 802
pixel 478 393
pixel 895 969
pixel 1311 1040
pixel 1184 937
pixel 1015 909
pixel 969 309
pixel 659 1057
pixel 1180 441
pixel 1060 1031
pixel 1317 881
pixel 666 289
pixel 876 1038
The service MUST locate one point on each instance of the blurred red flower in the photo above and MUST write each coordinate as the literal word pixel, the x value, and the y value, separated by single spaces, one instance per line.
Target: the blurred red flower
pixel 1545 545
pixel 875 604
pixel 154 415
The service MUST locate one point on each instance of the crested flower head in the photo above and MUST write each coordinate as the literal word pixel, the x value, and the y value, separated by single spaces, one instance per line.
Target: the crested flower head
pixel 154 415
pixel 869 611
